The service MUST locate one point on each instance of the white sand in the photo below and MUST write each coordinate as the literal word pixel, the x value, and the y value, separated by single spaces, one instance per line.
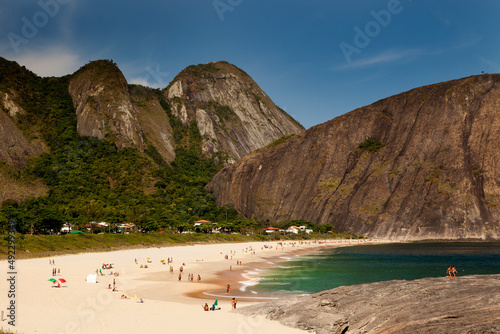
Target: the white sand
pixel 80 307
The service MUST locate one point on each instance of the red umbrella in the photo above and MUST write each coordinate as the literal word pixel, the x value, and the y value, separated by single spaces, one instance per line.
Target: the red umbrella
pixel 62 280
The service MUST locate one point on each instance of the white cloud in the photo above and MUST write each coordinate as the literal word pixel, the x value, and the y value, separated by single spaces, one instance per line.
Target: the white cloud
pixel 389 56
pixel 50 62
pixel 140 81
pixel 495 66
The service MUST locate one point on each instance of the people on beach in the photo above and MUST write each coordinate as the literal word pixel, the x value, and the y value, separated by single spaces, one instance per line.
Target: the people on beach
pixel 448 272
pixel 205 307
pixel 180 277
pixel 453 272
pixel 228 289
pixel 199 277
pixel 233 303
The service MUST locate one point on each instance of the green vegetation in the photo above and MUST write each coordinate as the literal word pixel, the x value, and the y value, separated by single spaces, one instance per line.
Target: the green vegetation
pixel 89 179
pixel 371 145
pixel 28 246
pixel 278 142
pixel 224 112
pixel 200 70
pixel 433 174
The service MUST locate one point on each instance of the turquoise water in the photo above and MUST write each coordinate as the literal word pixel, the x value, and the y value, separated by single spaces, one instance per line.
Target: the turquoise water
pixel 372 263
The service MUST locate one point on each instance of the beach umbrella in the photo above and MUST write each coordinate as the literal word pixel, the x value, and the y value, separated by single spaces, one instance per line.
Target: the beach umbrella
pixel 148 258
pixel 111 263
pixel 52 280
pixel 215 303
pixel 62 280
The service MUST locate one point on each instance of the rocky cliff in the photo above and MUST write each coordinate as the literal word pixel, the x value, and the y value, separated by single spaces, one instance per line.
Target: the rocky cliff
pixel 234 116
pixel 469 304
pixel 103 105
pixel 15 146
pixel 419 165
pixel 18 142
pixel 232 112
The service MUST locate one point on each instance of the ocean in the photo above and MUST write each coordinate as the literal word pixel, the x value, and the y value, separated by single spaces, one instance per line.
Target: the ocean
pixel 352 265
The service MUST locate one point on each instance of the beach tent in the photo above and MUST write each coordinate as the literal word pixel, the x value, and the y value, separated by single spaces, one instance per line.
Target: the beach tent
pixel 91 278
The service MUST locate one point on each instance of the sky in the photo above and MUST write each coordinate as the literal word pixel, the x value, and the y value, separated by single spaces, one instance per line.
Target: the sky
pixel 316 59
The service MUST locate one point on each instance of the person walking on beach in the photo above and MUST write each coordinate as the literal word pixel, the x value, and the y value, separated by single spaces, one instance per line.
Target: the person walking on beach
pixel 453 272
pixel 180 276
pixel 233 303
pixel 448 272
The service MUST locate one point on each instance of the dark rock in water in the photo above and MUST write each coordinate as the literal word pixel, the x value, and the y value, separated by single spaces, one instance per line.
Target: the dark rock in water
pixel 469 304
pixel 415 166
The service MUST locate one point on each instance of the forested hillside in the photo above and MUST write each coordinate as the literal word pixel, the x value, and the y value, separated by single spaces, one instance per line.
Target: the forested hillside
pixel 90 179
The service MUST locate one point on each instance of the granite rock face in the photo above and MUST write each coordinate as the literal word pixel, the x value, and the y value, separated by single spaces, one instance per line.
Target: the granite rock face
pixel 234 116
pixel 232 112
pixel 419 165
pixel 16 147
pixel 469 304
pixel 103 105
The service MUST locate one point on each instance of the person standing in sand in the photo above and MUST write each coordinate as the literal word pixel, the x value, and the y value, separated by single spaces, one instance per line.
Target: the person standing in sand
pixel 233 303
pixel 448 272
pixel 453 272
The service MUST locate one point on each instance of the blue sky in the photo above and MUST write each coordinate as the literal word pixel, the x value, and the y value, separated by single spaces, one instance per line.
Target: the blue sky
pixel 316 59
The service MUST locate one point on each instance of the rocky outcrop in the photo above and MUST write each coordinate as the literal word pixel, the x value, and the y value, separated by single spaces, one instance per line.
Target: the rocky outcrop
pixel 419 165
pixel 154 122
pixel 469 304
pixel 103 105
pixel 15 146
pixel 233 114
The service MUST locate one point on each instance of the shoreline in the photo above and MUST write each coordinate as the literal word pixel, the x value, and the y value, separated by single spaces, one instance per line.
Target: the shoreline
pixel 80 307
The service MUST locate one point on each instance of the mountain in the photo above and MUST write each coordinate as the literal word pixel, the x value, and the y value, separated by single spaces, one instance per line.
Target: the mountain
pixel 233 115
pixel 232 112
pixel 103 105
pixel 419 165
pixel 17 141
pixel 89 146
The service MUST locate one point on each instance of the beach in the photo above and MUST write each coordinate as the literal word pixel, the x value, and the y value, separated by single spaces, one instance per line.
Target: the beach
pixel 168 305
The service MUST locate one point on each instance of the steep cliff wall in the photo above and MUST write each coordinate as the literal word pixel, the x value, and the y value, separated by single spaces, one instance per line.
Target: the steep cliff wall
pixel 233 114
pixel 154 121
pixel 103 105
pixel 15 146
pixel 430 170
